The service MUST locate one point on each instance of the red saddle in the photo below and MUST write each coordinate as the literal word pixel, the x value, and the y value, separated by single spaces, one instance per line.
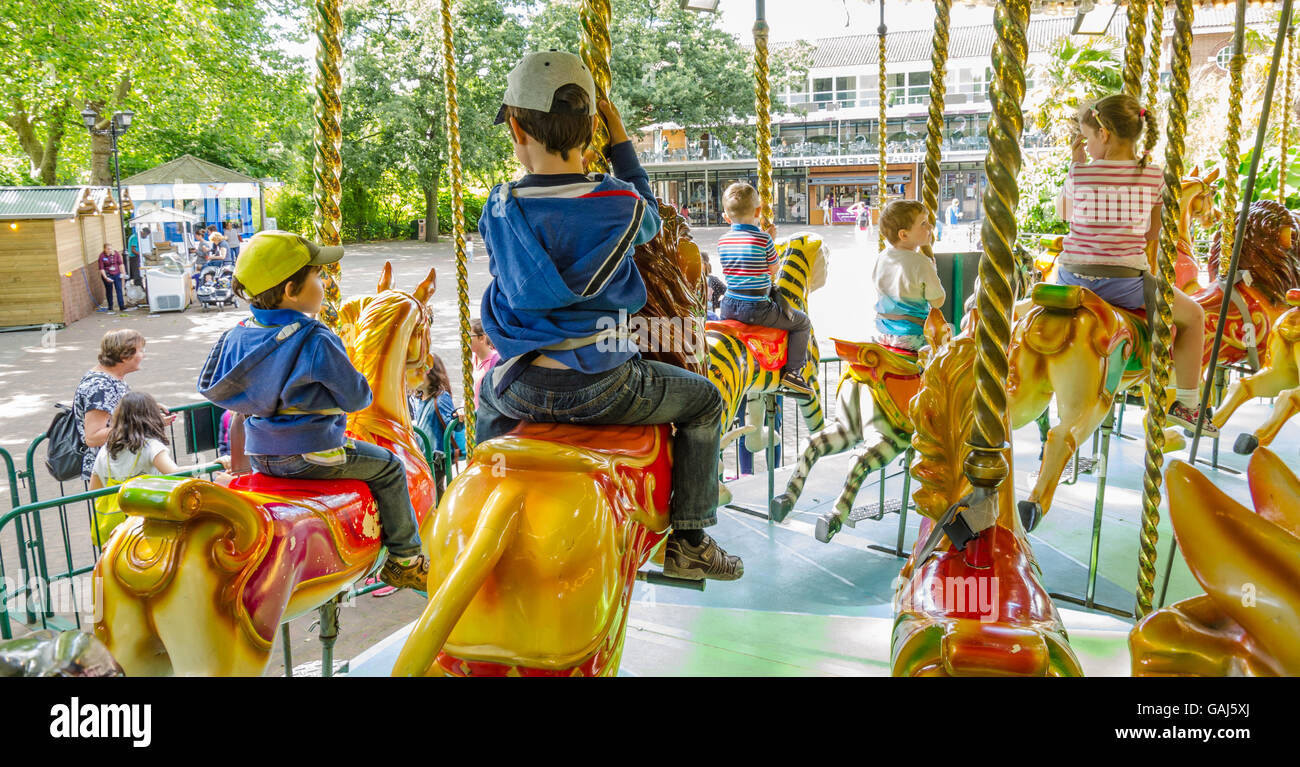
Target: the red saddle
pixel 768 345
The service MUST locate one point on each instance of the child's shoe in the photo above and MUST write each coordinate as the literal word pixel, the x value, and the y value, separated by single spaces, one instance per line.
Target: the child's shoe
pixel 1186 417
pixel 695 563
pixel 793 383
pixel 412 575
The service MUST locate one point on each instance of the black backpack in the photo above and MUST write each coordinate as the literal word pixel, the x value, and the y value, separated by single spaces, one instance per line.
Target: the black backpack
pixel 65 451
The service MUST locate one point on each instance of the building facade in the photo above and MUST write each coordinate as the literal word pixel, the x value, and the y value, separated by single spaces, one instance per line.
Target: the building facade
pixel 825 134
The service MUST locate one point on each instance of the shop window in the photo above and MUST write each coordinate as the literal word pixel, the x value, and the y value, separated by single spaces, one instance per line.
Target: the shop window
pixel 918 87
pixel 846 91
pixel 822 90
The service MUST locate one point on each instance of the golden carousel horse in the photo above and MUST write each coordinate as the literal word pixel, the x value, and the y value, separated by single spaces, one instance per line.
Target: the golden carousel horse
pixel 534 548
pixel 1247 621
pixel 980 610
pixel 1280 378
pixel 1072 345
pixel 200 577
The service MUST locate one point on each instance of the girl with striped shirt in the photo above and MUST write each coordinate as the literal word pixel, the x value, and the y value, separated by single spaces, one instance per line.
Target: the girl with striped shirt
pixel 1113 207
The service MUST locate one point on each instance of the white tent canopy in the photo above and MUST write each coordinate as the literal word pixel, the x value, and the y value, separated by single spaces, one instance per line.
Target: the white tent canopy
pixel 150 214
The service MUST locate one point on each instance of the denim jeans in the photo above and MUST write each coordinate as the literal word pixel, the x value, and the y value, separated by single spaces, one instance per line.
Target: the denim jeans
pixel 774 314
pixel 637 392
pixel 374 465
pixel 115 282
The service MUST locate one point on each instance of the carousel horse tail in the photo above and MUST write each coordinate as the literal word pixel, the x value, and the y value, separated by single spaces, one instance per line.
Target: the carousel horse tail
pixel 492 534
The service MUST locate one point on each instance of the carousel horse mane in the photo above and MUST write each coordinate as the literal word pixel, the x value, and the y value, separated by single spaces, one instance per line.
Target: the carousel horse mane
pixel 671 269
pixel 1273 263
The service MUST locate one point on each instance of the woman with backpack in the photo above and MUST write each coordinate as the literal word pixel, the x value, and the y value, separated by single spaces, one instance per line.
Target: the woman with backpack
pixel 102 388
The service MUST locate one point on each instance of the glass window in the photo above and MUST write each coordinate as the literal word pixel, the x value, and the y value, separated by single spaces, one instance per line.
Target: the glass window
pixel 868 91
pixel 846 91
pixel 1224 57
pixel 822 92
pixel 918 87
pixel 895 89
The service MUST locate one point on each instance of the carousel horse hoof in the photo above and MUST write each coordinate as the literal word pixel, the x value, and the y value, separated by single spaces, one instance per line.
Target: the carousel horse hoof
pixel 1031 513
pixel 827 526
pixel 782 505
pixel 1245 444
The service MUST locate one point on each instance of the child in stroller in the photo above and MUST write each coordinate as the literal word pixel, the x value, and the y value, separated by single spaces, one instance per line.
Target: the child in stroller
pixel 215 287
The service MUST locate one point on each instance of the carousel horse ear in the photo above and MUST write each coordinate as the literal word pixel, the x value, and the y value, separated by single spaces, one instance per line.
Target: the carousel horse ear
pixel 385 278
pixel 425 291
pixel 1210 179
pixel 1196 172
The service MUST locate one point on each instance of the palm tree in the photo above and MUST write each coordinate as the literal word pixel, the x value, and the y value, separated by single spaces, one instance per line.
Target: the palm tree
pixel 1072 75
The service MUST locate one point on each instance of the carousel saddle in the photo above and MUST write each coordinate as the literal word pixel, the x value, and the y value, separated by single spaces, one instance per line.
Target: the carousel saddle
pixel 339 510
pixel 768 345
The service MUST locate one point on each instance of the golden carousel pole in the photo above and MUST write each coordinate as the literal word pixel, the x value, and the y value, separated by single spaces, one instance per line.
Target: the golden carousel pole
pixel 458 219
pixel 985 466
pixel 1133 50
pixel 1286 117
pixel 1155 49
pixel 328 164
pixel 1161 335
pixel 934 126
pixel 882 161
pixel 595 51
pixel 1232 148
pixel 763 112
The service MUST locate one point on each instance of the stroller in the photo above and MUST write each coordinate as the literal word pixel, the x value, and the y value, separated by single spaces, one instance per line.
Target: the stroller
pixel 215 287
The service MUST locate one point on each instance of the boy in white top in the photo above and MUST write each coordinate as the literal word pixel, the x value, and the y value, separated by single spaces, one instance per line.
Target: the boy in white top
pixel 907 282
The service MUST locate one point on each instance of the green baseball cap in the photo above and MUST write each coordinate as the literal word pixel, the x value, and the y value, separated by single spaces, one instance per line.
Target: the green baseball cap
pixel 272 257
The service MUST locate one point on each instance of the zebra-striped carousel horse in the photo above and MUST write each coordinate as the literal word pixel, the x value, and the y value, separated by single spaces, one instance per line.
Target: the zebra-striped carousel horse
pixel 747 359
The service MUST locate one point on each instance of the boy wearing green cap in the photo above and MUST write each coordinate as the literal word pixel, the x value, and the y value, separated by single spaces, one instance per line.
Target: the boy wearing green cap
pixel 290 376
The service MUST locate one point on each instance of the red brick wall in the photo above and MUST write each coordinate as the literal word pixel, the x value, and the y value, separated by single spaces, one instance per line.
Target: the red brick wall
pixel 76 303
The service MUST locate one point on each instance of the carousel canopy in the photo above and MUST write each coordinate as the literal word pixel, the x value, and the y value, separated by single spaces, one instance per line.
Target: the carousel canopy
pixel 156 214
pixel 189 178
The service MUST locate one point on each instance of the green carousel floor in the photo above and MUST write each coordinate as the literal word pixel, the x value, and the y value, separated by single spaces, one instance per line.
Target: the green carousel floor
pixel 805 608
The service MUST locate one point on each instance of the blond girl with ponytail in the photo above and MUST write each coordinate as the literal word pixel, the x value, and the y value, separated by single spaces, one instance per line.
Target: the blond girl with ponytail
pixel 1112 201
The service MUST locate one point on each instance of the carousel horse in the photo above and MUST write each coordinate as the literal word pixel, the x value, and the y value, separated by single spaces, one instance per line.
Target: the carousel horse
pixel 1247 621
pixel 534 548
pixel 200 577
pixel 892 377
pixel 1280 378
pixel 980 610
pixel 746 360
pixel 1076 347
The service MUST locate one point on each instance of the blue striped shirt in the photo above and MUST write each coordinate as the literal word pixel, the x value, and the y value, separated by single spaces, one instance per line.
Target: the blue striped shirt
pixel 747 254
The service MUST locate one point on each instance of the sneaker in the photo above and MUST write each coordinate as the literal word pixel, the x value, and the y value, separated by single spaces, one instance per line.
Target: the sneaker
pixel 385 591
pixel 695 563
pixel 795 385
pixel 412 576
pixel 1186 417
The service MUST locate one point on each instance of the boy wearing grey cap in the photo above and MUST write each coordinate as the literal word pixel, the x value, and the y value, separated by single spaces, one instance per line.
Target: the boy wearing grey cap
pixel 559 246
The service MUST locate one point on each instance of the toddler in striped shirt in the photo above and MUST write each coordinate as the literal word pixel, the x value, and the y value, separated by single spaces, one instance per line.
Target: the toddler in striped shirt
pixel 748 259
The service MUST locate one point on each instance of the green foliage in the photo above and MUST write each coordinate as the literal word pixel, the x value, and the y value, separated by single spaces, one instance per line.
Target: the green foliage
pixel 473 206
pixel 291 207
pixel 1041 178
pixel 1266 180
pixel 1070 76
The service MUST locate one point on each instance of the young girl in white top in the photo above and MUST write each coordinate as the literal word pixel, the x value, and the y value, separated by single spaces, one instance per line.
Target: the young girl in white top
pixel 137 445
pixel 1113 207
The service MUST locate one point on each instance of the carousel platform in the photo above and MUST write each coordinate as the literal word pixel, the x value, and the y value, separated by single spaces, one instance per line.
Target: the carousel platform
pixel 806 608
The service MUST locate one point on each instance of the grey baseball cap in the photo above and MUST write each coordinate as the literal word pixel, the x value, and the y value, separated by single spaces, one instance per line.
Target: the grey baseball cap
pixel 535 79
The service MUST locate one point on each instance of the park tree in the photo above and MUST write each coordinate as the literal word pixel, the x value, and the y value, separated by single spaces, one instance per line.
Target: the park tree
pixel 199 74
pixel 1072 74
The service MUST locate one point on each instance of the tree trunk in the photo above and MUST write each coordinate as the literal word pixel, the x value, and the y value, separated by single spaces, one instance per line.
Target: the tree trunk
pixel 101 156
pixel 431 212
pixel 50 156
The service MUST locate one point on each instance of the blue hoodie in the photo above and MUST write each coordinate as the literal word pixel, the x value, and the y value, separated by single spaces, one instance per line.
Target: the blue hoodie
pixel 562 263
pixel 290 375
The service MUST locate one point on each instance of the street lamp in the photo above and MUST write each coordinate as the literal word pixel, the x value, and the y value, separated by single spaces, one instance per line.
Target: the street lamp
pixel 1093 19
pixel 709 6
pixel 119 125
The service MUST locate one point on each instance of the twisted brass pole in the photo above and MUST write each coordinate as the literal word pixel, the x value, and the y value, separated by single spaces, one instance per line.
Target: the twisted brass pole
pixel 985 466
pixel 1231 152
pixel 1286 116
pixel 1136 40
pixel 763 112
pixel 934 126
pixel 1161 336
pixel 595 51
pixel 882 164
pixel 328 164
pixel 458 220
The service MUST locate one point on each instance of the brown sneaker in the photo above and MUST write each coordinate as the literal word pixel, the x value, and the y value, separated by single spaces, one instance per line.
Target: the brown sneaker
pixel 795 385
pixel 695 563
pixel 412 576
pixel 1186 417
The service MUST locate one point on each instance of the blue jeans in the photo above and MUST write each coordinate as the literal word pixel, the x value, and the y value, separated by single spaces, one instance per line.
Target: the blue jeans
pixel 1124 292
pixel 374 465
pixel 114 283
pixel 774 314
pixel 637 392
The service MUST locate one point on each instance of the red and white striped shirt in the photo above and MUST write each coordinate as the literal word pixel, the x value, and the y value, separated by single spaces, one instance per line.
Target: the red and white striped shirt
pixel 1110 211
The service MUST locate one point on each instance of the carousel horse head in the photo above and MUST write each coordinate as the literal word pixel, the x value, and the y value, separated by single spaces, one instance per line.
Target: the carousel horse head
pixel 1248 562
pixel 1198 196
pixel 199 578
